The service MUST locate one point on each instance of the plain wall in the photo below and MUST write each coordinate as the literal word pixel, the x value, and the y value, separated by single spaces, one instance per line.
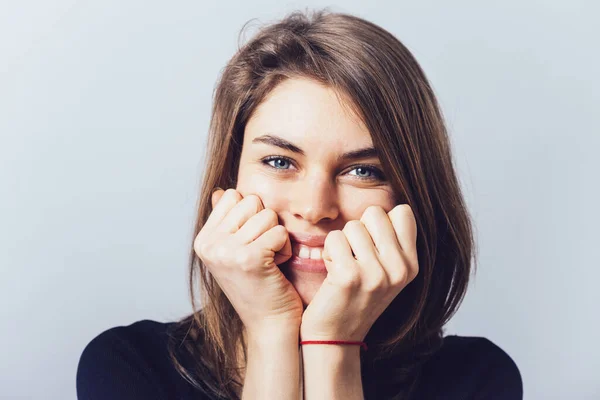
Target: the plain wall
pixel 105 107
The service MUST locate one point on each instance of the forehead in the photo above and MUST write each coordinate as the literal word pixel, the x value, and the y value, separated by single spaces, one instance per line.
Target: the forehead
pixel 308 113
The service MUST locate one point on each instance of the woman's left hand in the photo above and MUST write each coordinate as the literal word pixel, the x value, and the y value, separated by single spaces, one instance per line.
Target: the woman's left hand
pixel 359 288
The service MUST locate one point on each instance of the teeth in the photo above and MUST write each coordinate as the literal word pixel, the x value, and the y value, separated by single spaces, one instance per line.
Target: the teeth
pixel 304 252
pixel 315 253
pixel 307 252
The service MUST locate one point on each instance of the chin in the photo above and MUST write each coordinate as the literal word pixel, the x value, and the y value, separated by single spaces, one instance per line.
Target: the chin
pixel 306 295
pixel 306 283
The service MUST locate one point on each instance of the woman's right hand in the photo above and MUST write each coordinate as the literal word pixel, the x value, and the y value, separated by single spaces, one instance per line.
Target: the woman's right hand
pixel 242 245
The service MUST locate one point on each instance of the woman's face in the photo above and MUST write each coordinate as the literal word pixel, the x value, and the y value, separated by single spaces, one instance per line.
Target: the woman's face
pixel 293 158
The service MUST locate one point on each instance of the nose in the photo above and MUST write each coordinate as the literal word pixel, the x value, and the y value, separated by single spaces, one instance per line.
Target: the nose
pixel 315 199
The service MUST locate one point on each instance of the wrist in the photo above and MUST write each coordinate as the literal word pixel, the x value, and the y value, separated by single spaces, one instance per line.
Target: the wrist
pixel 306 335
pixel 331 353
pixel 332 371
pixel 272 368
pixel 273 334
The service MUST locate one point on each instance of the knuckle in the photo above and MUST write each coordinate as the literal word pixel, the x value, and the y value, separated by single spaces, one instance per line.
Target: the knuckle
pixel 332 234
pixel 233 193
pixel 200 249
pixel 414 272
pixel 198 244
pixel 372 211
pixel 331 237
pixel 270 215
pixel 219 252
pixel 242 260
pixel 351 225
pixel 203 249
pixel 402 210
pixel 377 284
pixel 400 277
pixel 350 280
pixel 374 287
pixel 279 230
pixel 387 251
pixel 255 201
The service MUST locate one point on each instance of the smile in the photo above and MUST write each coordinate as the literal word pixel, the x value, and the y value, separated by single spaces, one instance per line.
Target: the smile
pixel 307 252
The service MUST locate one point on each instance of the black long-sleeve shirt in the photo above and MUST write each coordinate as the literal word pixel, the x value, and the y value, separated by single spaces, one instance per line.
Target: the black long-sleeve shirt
pixel 132 363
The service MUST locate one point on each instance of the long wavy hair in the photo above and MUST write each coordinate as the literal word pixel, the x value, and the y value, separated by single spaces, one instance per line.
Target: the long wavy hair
pixel 380 80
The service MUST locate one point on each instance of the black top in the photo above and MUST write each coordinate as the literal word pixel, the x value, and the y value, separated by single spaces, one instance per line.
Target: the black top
pixel 132 363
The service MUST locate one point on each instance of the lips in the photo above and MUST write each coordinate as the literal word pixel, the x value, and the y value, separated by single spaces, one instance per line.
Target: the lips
pixel 307 264
pixel 307 239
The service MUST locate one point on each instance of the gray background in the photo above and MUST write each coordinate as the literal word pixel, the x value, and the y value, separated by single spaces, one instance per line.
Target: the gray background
pixel 104 111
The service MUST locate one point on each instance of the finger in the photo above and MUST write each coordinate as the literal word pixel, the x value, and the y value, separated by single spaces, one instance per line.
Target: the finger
pixel 285 253
pixel 257 225
pixel 361 242
pixel 216 196
pixel 337 253
pixel 381 230
pixel 274 240
pixel 389 252
pixel 405 225
pixel 226 201
pixel 241 213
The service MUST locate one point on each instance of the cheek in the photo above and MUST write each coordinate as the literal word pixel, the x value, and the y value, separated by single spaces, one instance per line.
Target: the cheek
pixel 269 190
pixel 357 201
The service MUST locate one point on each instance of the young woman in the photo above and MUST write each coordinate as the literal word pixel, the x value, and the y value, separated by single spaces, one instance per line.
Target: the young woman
pixel 335 247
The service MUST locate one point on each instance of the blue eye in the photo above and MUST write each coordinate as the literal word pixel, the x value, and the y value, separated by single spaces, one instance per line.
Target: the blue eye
pixel 373 173
pixel 364 169
pixel 278 160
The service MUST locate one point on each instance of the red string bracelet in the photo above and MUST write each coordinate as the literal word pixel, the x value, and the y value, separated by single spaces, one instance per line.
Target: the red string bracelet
pixel 362 344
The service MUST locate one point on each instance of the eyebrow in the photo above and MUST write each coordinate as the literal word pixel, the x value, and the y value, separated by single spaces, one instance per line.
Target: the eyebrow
pixel 367 152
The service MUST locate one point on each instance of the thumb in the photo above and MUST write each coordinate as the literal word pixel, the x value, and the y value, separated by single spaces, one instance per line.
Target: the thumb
pixel 285 253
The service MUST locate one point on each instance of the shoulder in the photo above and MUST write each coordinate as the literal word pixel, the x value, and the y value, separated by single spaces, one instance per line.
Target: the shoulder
pixel 143 339
pixel 144 330
pixel 477 351
pixel 127 362
pixel 474 366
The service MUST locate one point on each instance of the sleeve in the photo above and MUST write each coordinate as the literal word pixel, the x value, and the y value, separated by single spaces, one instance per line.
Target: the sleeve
pixel 500 378
pixel 110 367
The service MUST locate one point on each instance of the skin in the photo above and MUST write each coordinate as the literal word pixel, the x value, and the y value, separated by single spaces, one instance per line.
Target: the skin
pixel 370 250
pixel 317 194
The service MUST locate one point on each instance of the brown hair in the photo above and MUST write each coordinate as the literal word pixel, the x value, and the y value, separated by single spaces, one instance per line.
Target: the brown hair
pixel 381 81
